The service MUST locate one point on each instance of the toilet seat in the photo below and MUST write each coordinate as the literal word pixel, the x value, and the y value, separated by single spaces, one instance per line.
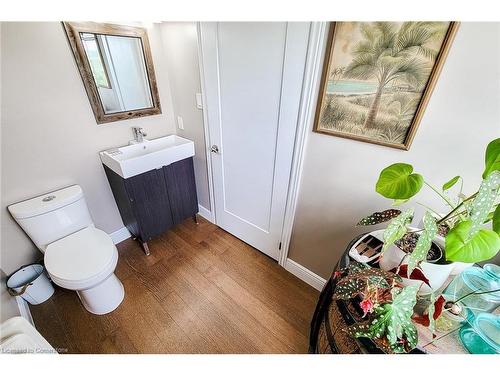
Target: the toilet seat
pixel 82 259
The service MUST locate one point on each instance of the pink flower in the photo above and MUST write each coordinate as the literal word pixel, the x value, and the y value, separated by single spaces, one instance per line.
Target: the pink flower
pixel 367 306
pixel 336 274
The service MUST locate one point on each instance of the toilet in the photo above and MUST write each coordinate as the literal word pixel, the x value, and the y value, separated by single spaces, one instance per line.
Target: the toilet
pixel 77 255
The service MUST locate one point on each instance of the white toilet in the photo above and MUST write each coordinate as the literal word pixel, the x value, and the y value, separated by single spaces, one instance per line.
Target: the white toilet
pixel 78 256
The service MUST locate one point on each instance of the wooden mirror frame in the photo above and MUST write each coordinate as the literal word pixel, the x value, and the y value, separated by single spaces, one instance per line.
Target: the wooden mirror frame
pixel 73 30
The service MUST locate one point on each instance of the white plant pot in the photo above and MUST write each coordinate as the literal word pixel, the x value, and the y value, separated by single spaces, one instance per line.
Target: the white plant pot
pixel 459 267
pixel 437 274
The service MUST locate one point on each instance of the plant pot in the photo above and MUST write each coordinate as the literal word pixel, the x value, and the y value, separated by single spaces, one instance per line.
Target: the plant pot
pixel 436 273
pixel 459 267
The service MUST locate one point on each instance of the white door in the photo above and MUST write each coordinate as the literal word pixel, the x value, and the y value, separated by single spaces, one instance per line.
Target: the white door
pixel 253 74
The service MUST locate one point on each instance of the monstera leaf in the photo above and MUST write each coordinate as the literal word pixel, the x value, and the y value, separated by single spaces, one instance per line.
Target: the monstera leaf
pixel 398 181
pixel 460 246
pixel 397 228
pixel 424 243
pixel 484 201
pixel 492 158
pixel 392 320
pixel 451 183
pixel 379 217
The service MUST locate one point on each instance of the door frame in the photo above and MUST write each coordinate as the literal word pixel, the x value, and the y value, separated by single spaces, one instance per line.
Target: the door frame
pixel 310 89
pixel 208 142
pixel 308 99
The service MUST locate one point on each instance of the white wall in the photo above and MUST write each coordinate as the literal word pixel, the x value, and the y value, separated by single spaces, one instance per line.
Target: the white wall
pixel 180 46
pixel 49 135
pixel 463 115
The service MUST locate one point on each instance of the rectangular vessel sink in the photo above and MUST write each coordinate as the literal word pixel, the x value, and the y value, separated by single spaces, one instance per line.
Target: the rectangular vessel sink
pixel 128 161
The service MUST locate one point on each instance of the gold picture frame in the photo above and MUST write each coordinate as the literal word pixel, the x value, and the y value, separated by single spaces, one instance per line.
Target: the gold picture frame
pixel 351 96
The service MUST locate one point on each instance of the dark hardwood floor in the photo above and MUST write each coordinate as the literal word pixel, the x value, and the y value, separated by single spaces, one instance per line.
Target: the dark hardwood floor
pixel 201 290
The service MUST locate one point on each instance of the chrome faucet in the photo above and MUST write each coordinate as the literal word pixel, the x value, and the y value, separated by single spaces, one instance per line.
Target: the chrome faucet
pixel 139 134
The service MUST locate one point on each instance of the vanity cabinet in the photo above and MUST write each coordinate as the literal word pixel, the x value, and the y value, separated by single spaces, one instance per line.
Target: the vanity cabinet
pixel 181 189
pixel 152 202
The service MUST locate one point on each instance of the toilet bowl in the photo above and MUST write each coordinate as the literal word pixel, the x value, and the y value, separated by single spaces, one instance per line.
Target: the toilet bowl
pixel 85 262
pixel 77 255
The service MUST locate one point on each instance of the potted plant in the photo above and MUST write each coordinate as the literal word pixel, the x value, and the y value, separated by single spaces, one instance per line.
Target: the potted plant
pixel 385 304
pixel 413 259
pixel 385 308
pixel 468 233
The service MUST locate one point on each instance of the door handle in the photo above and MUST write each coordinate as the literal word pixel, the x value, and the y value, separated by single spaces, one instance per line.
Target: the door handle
pixel 214 149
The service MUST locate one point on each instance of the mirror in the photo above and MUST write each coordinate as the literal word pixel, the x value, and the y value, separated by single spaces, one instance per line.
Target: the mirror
pixel 117 69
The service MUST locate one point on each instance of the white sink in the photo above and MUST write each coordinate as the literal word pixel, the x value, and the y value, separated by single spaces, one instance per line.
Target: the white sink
pixel 138 158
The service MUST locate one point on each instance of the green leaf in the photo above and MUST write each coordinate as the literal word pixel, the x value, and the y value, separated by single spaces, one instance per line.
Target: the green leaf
pixel 484 201
pixel 349 288
pixel 392 319
pixel 424 243
pixel 357 267
pixel 461 247
pixel 489 217
pixel 397 228
pixel 379 217
pixel 400 325
pixel 449 184
pixel 359 277
pixel 492 157
pixel 378 281
pixel 398 181
pixel 496 220
pixel 430 312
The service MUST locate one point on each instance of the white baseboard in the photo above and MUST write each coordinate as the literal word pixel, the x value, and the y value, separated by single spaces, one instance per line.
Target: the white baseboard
pixel 24 310
pixel 120 235
pixel 306 275
pixel 203 212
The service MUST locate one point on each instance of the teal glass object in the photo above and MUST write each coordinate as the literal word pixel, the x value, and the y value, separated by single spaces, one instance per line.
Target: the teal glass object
pixel 448 321
pixel 483 335
pixel 492 270
pixel 475 280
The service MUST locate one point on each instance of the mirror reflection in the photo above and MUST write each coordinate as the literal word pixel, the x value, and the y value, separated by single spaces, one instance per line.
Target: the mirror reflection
pixel 119 70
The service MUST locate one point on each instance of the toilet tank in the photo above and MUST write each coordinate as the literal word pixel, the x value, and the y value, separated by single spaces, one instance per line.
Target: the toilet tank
pixel 52 216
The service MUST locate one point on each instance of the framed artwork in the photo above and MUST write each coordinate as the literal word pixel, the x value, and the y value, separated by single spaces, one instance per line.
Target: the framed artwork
pixel 378 77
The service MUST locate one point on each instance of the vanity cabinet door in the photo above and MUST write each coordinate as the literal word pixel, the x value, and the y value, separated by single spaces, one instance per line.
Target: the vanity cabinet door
pixel 181 187
pixel 123 201
pixel 149 200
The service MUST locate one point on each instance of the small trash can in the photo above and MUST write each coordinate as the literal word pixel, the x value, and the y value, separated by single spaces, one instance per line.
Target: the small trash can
pixel 31 283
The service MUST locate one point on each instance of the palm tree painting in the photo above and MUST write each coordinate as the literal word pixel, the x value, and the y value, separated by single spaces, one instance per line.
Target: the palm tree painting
pixel 378 77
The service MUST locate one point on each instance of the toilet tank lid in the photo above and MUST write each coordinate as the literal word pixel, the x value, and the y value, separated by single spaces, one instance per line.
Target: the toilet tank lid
pixel 46 202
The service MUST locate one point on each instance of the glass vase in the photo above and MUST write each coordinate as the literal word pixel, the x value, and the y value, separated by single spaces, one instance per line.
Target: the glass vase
pixel 483 335
pixel 472 281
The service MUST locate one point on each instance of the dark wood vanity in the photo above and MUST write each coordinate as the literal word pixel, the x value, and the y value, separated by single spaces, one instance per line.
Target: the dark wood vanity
pixel 152 202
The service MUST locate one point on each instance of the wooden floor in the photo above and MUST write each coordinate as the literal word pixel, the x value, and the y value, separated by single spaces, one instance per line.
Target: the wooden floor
pixel 201 290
